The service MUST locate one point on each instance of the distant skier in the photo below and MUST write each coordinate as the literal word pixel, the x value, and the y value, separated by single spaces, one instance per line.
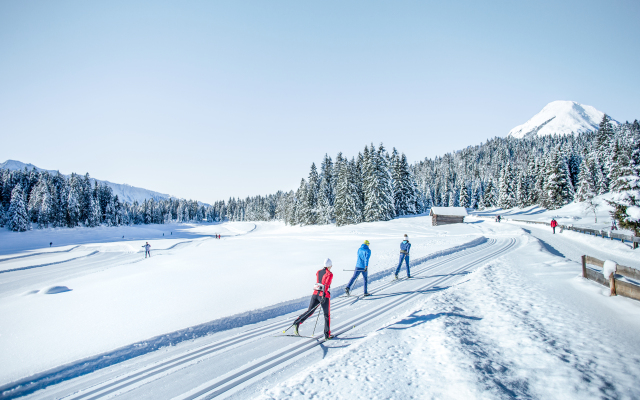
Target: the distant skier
pixel 361 267
pixel 614 226
pixel 50 244
pixel 321 297
pixel 147 250
pixel 554 223
pixel 405 246
pixel 498 218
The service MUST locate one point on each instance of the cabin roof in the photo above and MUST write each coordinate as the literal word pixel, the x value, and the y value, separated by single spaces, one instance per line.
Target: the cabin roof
pixel 456 211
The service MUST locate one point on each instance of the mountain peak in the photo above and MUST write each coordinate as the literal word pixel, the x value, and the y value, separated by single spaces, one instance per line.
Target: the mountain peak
pixel 562 118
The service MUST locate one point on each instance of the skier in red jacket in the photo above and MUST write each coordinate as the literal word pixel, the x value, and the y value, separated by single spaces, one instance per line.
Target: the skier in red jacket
pixel 321 296
pixel 554 223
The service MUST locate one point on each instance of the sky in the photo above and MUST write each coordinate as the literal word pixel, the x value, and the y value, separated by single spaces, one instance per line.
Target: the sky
pixel 206 100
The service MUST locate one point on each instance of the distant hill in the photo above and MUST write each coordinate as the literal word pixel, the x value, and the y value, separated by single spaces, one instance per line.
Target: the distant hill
pixel 124 192
pixel 562 118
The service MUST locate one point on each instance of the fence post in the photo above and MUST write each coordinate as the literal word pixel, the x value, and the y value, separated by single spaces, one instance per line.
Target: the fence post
pixel 612 284
pixel 584 266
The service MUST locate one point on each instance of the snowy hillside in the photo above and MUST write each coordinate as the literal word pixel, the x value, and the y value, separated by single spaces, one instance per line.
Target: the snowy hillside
pixel 122 190
pixel 560 117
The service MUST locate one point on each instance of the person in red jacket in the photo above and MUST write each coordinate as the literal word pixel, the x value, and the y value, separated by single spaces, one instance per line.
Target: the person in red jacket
pixel 554 223
pixel 321 296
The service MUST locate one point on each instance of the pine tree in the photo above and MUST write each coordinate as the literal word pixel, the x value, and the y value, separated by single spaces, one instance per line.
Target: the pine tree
pixel 586 185
pixel 555 182
pixel 506 195
pixel 463 200
pixel 377 187
pixel 18 216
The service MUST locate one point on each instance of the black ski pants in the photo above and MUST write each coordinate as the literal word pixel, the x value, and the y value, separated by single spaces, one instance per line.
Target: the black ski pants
pixel 315 299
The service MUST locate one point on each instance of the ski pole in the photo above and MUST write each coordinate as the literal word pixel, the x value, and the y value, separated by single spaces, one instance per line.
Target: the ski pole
pixel 312 311
pixel 317 318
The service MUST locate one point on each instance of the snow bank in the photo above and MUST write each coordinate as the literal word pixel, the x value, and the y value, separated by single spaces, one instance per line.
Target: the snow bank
pixel 610 267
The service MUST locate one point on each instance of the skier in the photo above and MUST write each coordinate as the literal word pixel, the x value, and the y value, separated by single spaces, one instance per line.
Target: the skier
pixel 498 218
pixel 554 223
pixel 361 267
pixel 147 250
pixel 50 244
pixel 405 246
pixel 321 297
pixel 614 226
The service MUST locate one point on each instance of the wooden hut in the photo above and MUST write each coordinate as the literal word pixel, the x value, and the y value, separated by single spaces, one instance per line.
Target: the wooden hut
pixel 447 215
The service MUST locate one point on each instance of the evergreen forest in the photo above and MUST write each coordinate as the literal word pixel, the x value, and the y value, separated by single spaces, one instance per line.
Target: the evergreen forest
pixel 374 185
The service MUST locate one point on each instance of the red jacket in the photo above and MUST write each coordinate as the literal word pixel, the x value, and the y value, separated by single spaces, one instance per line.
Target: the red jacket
pixel 554 223
pixel 325 277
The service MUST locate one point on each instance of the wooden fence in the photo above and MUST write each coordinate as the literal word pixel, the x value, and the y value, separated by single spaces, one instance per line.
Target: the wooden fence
pixel 634 240
pixel 617 286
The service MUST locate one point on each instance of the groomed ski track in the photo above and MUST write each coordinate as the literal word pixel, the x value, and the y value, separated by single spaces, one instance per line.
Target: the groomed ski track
pixel 238 364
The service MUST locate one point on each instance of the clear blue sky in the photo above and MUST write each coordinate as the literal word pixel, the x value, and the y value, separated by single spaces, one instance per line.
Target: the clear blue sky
pixel 207 100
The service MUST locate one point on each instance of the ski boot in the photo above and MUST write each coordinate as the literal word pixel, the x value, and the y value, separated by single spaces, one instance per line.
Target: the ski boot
pixel 396 277
pixel 328 337
pixel 347 291
pixel 367 294
pixel 295 330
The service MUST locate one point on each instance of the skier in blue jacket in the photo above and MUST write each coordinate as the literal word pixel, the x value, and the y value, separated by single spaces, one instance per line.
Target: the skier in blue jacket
pixel 405 246
pixel 361 267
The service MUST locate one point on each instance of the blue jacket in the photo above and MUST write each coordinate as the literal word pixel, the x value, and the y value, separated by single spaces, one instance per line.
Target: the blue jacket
pixel 405 246
pixel 363 257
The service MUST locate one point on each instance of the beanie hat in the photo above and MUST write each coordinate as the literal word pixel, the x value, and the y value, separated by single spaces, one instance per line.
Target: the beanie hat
pixel 406 237
pixel 327 262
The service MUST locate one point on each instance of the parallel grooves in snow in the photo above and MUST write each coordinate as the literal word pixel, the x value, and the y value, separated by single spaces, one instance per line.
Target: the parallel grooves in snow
pixel 123 382
pixel 258 368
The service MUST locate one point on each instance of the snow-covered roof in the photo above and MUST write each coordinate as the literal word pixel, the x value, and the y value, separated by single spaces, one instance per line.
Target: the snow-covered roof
pixel 458 211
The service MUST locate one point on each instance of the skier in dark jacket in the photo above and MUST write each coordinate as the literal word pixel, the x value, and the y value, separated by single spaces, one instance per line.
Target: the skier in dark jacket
pixel 405 246
pixel 361 267
pixel 147 250
pixel 321 296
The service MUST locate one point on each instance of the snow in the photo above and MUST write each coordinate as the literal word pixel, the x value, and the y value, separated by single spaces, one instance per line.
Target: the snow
pixel 562 118
pixel 457 211
pixel 610 267
pixel 574 214
pixel 634 212
pixel 522 324
pixel 118 297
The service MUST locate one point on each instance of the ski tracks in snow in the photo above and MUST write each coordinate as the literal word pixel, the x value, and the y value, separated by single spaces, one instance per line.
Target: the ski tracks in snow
pixel 282 351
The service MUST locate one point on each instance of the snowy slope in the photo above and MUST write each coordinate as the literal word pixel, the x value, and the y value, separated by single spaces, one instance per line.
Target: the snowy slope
pixel 562 118
pixel 123 191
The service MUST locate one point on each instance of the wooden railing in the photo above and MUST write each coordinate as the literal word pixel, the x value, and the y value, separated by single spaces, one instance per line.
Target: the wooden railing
pixel 618 287
pixel 634 240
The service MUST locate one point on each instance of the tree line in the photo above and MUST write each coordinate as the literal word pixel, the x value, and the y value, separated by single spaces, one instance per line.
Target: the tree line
pixel 550 171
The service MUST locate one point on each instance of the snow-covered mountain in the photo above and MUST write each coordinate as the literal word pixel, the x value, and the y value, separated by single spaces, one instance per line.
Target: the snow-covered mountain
pixel 125 192
pixel 562 118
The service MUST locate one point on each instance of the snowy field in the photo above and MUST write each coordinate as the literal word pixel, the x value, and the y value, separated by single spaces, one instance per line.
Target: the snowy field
pixel 495 311
pixel 572 214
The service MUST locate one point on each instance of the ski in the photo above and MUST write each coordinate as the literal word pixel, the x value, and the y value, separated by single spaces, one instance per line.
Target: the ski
pixel 298 336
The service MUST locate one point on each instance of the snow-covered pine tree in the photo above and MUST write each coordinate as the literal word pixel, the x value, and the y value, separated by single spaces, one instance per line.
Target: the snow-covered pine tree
pixel 378 194
pixel 463 200
pixel 342 192
pixel 18 217
pixel 626 203
pixel 621 168
pixel 521 192
pixel 555 182
pixel 45 212
pixel 489 200
pixel 506 195
pixel 586 185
